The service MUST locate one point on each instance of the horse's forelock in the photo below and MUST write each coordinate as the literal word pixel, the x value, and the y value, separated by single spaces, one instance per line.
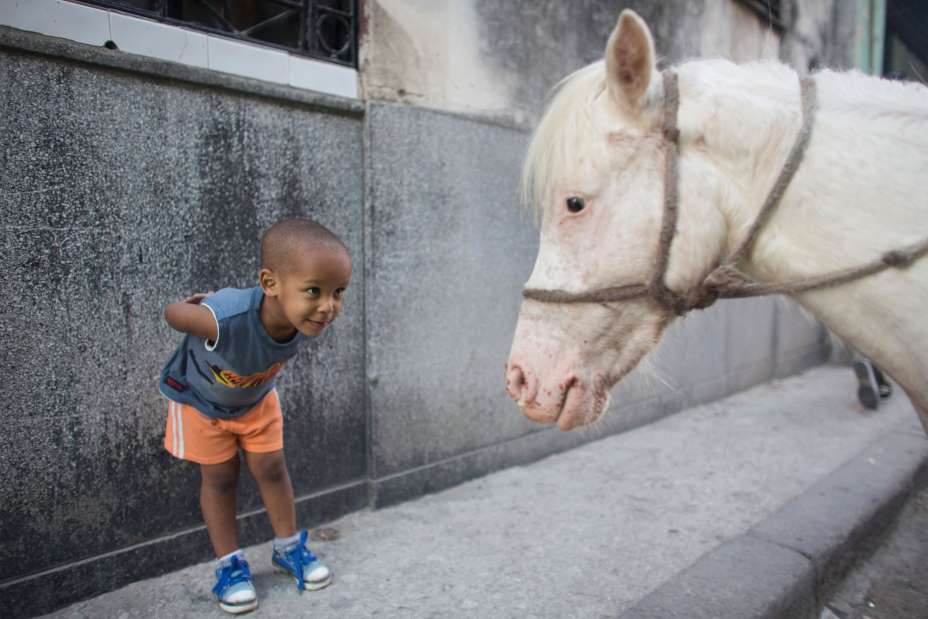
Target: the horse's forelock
pixel 565 127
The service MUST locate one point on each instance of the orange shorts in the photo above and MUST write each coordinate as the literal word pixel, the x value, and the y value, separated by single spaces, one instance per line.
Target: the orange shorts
pixel 191 435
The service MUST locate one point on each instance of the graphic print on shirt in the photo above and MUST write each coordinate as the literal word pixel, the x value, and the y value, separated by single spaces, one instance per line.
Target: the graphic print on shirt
pixel 231 379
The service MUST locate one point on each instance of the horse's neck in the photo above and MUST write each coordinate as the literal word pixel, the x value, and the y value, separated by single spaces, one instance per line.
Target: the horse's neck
pixel 748 120
pixel 856 195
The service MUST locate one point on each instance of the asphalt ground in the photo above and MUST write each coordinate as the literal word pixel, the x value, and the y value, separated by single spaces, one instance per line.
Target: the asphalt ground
pixel 893 582
pixel 606 528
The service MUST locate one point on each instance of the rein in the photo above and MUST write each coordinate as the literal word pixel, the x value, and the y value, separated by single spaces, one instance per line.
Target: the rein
pixel 726 281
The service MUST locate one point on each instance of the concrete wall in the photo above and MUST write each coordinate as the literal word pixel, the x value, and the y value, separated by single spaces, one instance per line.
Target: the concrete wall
pixel 126 183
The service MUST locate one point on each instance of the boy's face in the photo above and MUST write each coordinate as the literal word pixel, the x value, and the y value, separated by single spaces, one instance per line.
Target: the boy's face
pixel 310 292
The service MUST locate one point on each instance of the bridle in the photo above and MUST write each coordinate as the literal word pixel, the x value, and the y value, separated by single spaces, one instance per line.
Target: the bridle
pixel 727 280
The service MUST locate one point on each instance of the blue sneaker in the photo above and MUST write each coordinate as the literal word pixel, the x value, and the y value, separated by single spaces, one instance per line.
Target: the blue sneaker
pixel 233 587
pixel 299 562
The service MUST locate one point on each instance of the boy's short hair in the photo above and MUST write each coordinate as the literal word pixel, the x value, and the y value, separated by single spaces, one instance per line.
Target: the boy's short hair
pixel 285 237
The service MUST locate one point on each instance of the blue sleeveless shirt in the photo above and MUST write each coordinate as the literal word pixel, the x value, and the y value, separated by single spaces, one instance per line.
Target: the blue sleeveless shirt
pixel 226 378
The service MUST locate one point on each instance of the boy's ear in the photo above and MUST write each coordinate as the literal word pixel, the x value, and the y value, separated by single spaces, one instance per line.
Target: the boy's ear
pixel 269 282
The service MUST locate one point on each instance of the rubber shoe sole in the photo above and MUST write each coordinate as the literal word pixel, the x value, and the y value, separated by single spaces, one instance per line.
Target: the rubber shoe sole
pixel 308 586
pixel 238 609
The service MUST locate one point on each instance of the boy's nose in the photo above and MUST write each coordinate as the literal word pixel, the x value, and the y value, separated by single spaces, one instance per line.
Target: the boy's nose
pixel 328 306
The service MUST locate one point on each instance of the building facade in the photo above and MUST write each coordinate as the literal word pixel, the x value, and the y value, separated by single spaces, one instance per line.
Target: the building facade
pixel 144 151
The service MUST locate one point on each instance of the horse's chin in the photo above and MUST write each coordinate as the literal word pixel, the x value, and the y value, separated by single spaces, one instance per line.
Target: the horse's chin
pixel 585 405
pixel 583 409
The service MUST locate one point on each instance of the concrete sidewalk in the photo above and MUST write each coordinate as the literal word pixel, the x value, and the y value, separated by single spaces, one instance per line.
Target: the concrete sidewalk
pixel 692 510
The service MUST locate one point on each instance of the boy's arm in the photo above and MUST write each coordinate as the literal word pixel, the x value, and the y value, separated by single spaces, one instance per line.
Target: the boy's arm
pixel 188 316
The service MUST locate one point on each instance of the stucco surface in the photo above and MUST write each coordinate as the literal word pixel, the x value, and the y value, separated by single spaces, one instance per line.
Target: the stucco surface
pixel 117 195
pixel 500 59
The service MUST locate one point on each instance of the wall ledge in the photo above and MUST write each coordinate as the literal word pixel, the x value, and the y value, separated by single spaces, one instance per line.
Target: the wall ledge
pixel 161 70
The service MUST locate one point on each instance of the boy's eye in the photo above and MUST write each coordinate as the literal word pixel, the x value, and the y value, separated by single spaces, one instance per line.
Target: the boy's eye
pixel 339 292
pixel 313 292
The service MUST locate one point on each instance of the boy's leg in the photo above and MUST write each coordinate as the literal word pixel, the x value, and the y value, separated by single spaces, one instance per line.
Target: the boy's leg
pixel 233 589
pixel 261 438
pixel 190 435
pixel 270 473
pixel 291 554
pixel 217 502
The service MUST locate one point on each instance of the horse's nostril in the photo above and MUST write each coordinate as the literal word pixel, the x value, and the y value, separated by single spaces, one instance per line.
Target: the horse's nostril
pixel 515 382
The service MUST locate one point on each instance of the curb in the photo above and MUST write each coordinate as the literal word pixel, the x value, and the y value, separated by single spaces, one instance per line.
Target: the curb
pixel 786 566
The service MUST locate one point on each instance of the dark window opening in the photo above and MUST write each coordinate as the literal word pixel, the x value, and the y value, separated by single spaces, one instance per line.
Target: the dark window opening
pixel 906 42
pixel 322 29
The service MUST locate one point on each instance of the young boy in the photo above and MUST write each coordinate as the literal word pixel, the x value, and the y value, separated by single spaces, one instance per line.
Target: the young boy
pixel 220 387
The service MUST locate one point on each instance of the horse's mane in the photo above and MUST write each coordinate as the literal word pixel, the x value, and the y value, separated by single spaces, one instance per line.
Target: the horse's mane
pixel 567 128
pixel 876 100
pixel 868 96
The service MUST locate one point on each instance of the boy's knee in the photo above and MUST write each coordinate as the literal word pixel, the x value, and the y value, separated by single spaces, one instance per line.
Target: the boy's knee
pixel 220 480
pixel 221 485
pixel 271 469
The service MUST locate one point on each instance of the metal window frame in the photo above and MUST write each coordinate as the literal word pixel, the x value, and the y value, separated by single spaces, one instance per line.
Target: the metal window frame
pixel 313 13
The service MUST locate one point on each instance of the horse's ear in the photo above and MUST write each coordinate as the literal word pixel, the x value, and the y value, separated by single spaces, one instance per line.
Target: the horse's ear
pixel 630 60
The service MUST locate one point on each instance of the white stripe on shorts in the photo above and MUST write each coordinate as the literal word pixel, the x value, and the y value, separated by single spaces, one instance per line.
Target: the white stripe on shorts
pixel 173 427
pixel 180 432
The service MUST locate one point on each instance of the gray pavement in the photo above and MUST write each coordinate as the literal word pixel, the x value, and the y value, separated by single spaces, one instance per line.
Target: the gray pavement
pixel 586 533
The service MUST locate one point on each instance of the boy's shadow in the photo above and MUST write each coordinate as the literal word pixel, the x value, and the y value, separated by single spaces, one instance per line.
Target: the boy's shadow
pixel 266 578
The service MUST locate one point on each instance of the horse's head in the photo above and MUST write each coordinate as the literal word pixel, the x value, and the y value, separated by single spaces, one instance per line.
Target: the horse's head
pixel 595 173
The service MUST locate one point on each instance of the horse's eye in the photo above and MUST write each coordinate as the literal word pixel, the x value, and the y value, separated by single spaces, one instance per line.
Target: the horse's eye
pixel 575 204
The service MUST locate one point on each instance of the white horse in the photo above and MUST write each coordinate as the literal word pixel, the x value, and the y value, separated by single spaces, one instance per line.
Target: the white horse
pixel 595 172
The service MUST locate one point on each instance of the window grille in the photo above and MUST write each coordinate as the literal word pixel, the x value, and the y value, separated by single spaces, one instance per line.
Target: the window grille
pixel 769 11
pixel 322 29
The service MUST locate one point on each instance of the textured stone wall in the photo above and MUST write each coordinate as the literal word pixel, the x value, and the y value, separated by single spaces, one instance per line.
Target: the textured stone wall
pixel 118 194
